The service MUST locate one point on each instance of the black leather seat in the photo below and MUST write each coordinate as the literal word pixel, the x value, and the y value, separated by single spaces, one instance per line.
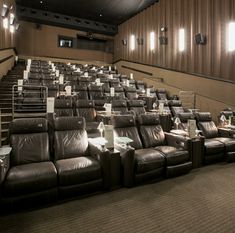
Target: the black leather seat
pixel 178 160
pixel 184 117
pixel 216 147
pixel 131 93
pixel 95 92
pixel 86 109
pixel 32 177
pixel 147 163
pixel 137 106
pixel 162 94
pixel 64 107
pixel 79 170
pixel 81 92
pixel 176 107
pixel 119 105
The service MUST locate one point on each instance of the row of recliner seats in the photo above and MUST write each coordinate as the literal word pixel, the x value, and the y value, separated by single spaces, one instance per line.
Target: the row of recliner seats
pixel 74 166
pixel 219 144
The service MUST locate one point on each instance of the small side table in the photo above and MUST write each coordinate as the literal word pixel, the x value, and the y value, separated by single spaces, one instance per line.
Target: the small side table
pixel 115 169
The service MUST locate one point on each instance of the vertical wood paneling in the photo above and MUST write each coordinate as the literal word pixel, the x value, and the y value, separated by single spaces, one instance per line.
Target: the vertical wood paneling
pixel 209 17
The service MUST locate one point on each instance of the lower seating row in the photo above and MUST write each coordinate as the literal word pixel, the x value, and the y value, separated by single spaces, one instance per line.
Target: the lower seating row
pixel 76 166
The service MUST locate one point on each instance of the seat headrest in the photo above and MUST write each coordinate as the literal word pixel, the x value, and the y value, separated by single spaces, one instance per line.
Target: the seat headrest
pixel 63 103
pixel 80 88
pixel 149 119
pixel 136 103
pixel 95 88
pixel 130 89
pixel 203 116
pixel 100 102
pixel 119 103
pixel 161 90
pixel 185 116
pixel 227 114
pixel 69 123
pixel 119 89
pixel 123 121
pixel 132 81
pixel 175 103
pixel 85 104
pixel 29 125
pixel 140 82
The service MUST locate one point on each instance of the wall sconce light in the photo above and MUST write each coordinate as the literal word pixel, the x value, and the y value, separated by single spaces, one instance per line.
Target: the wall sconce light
pixel 12 18
pixel 17 26
pixel 152 41
pixel 181 39
pixel 231 37
pixel 5 23
pixel 5 10
pixel 12 29
pixel 132 42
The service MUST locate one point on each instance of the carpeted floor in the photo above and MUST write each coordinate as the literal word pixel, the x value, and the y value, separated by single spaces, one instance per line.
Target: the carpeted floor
pixel 202 201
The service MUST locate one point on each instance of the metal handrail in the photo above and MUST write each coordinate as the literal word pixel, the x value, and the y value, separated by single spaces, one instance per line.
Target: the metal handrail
pixel 0 128
pixel 15 92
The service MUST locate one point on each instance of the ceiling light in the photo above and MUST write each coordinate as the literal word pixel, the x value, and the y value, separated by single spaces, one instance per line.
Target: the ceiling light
pixel 101 15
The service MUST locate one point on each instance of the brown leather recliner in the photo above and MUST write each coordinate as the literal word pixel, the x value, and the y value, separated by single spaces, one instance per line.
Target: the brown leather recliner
pixel 152 156
pixel 81 169
pixel 32 177
pixel 216 147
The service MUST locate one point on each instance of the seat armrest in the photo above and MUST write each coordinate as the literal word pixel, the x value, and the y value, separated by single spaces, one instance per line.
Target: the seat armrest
pixel 127 154
pixel 102 155
pixel 223 132
pixel 177 141
pixel 4 162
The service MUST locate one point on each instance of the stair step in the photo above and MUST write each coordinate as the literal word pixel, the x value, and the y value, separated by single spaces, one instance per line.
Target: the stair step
pixel 4 130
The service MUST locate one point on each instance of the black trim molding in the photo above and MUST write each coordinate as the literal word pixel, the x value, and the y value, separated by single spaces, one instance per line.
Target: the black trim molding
pixel 140 71
pixel 6 59
pixel 183 72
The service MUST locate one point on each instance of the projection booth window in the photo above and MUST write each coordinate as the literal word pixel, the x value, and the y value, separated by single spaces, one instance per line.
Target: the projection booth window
pixel 65 42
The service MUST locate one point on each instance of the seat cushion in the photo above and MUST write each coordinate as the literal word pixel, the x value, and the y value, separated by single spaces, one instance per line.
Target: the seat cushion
pixel 30 178
pixel 228 142
pixel 213 146
pixel 173 155
pixel 77 170
pixel 148 159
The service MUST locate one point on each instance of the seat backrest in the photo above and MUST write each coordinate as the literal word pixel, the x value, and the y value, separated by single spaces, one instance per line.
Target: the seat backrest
pixel 119 105
pixel 125 126
pixel 95 92
pixel 227 114
pixel 81 92
pixel 29 141
pixel 86 109
pixel 70 137
pixel 162 95
pixel 137 106
pixel 151 131
pixel 184 117
pixel 64 107
pixel 206 125
pixel 131 93
pixel 140 85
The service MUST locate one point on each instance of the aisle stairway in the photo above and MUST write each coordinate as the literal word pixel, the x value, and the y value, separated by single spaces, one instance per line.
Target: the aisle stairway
pixel 6 84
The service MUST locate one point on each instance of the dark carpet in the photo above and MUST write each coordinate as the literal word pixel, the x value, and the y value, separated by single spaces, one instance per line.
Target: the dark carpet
pixel 202 201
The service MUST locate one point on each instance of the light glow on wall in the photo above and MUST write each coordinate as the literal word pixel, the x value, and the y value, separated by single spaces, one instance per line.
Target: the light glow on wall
pixel 12 29
pixel 5 23
pixel 181 40
pixel 132 42
pixel 231 37
pixel 12 18
pixel 152 41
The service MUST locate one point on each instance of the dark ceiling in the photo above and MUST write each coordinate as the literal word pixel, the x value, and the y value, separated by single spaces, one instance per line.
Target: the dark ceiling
pixel 105 11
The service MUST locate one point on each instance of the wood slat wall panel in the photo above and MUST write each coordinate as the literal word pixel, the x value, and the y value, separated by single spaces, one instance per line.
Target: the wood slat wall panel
pixel 210 17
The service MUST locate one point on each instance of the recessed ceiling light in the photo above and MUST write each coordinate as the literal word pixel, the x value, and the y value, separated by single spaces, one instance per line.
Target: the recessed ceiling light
pixel 41 2
pixel 101 15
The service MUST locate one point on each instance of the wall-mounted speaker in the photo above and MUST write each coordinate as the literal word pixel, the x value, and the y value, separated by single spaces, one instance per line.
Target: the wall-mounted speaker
pixel 140 41
pixel 124 42
pixel 200 39
pixel 163 40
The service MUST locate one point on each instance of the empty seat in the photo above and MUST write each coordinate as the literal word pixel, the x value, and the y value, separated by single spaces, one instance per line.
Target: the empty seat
pixel 64 107
pixel 119 105
pixel 95 92
pixel 176 107
pixel 79 170
pixel 32 177
pixel 81 92
pixel 131 93
pixel 216 147
pixel 137 106
pixel 162 94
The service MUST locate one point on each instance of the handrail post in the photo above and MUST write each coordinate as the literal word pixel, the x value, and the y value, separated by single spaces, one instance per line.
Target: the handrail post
pixel 0 128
